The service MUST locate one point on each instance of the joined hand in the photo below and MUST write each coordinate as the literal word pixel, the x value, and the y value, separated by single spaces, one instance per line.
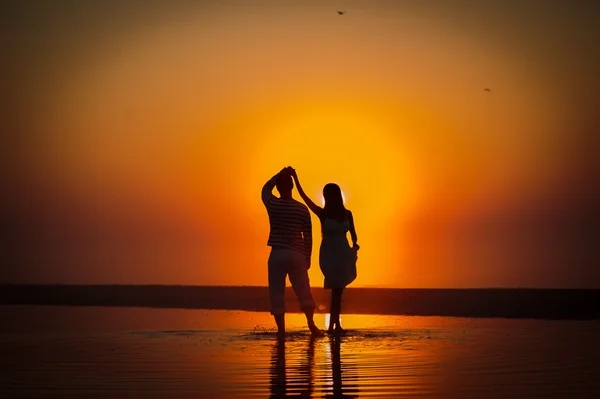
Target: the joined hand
pixel 291 171
pixel 284 171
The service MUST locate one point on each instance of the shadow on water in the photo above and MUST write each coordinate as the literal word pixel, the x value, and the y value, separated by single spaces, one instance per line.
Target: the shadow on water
pixel 299 379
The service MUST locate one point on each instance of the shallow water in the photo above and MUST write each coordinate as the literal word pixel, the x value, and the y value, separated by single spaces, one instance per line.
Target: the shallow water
pixel 87 352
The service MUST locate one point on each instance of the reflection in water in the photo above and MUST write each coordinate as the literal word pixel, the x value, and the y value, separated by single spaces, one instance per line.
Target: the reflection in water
pixel 131 352
pixel 341 388
pixel 300 380
pixel 290 379
pixel 277 371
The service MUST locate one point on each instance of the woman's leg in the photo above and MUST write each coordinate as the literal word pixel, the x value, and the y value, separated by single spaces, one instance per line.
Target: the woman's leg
pixel 332 308
pixel 334 314
pixel 339 309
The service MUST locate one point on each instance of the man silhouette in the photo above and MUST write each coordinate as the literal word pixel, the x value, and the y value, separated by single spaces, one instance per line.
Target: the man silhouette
pixel 290 239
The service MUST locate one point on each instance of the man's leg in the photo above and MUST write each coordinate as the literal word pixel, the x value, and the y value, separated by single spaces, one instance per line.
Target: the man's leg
pixel 277 276
pixel 280 321
pixel 301 284
pixel 309 312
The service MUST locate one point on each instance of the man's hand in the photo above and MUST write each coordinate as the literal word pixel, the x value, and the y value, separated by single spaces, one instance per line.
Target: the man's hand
pixel 291 171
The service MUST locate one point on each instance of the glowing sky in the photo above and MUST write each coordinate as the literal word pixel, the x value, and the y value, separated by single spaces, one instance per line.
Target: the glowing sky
pixel 143 133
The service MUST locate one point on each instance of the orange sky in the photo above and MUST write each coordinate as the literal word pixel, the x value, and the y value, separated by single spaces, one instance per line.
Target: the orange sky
pixel 150 133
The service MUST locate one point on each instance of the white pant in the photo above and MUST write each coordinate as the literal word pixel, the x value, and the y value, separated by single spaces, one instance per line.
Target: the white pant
pixel 283 262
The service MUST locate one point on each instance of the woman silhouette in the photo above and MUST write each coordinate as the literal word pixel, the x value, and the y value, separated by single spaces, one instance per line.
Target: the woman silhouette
pixel 336 258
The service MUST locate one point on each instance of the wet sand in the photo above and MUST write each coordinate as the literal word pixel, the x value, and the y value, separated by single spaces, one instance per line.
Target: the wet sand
pixel 101 352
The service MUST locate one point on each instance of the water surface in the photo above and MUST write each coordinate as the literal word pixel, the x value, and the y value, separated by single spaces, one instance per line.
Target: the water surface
pixel 95 352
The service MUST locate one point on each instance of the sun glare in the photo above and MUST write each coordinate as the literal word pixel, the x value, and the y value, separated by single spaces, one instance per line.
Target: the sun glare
pixel 323 199
pixel 327 321
pixel 365 161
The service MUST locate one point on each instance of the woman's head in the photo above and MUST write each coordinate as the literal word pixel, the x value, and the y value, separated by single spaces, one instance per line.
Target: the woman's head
pixel 334 201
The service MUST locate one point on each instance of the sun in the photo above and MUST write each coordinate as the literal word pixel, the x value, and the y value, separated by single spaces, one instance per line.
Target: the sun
pixel 359 151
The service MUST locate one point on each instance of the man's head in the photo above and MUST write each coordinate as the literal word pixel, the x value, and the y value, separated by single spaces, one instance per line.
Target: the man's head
pixel 284 184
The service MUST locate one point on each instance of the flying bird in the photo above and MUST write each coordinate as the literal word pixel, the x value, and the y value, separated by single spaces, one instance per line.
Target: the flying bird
pixel 341 12
pixel 488 90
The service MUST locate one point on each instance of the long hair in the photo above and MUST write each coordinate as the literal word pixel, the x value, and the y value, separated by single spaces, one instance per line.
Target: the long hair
pixel 334 202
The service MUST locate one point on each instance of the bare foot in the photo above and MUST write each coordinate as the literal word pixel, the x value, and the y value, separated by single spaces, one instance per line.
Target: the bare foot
pixel 314 330
pixel 340 331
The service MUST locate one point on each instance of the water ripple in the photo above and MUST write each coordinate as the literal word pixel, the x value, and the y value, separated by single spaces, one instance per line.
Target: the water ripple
pixel 519 359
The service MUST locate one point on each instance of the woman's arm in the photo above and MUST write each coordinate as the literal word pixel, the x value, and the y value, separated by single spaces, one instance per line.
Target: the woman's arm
pixel 317 210
pixel 353 231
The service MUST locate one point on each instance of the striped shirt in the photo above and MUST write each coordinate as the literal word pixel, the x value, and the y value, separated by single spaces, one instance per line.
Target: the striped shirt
pixel 289 220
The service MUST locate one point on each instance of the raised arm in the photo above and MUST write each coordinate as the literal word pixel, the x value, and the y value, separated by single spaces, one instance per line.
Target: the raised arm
pixel 307 234
pixel 317 210
pixel 267 190
pixel 353 231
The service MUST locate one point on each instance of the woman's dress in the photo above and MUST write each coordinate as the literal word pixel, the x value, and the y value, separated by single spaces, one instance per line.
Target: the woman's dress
pixel 336 258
